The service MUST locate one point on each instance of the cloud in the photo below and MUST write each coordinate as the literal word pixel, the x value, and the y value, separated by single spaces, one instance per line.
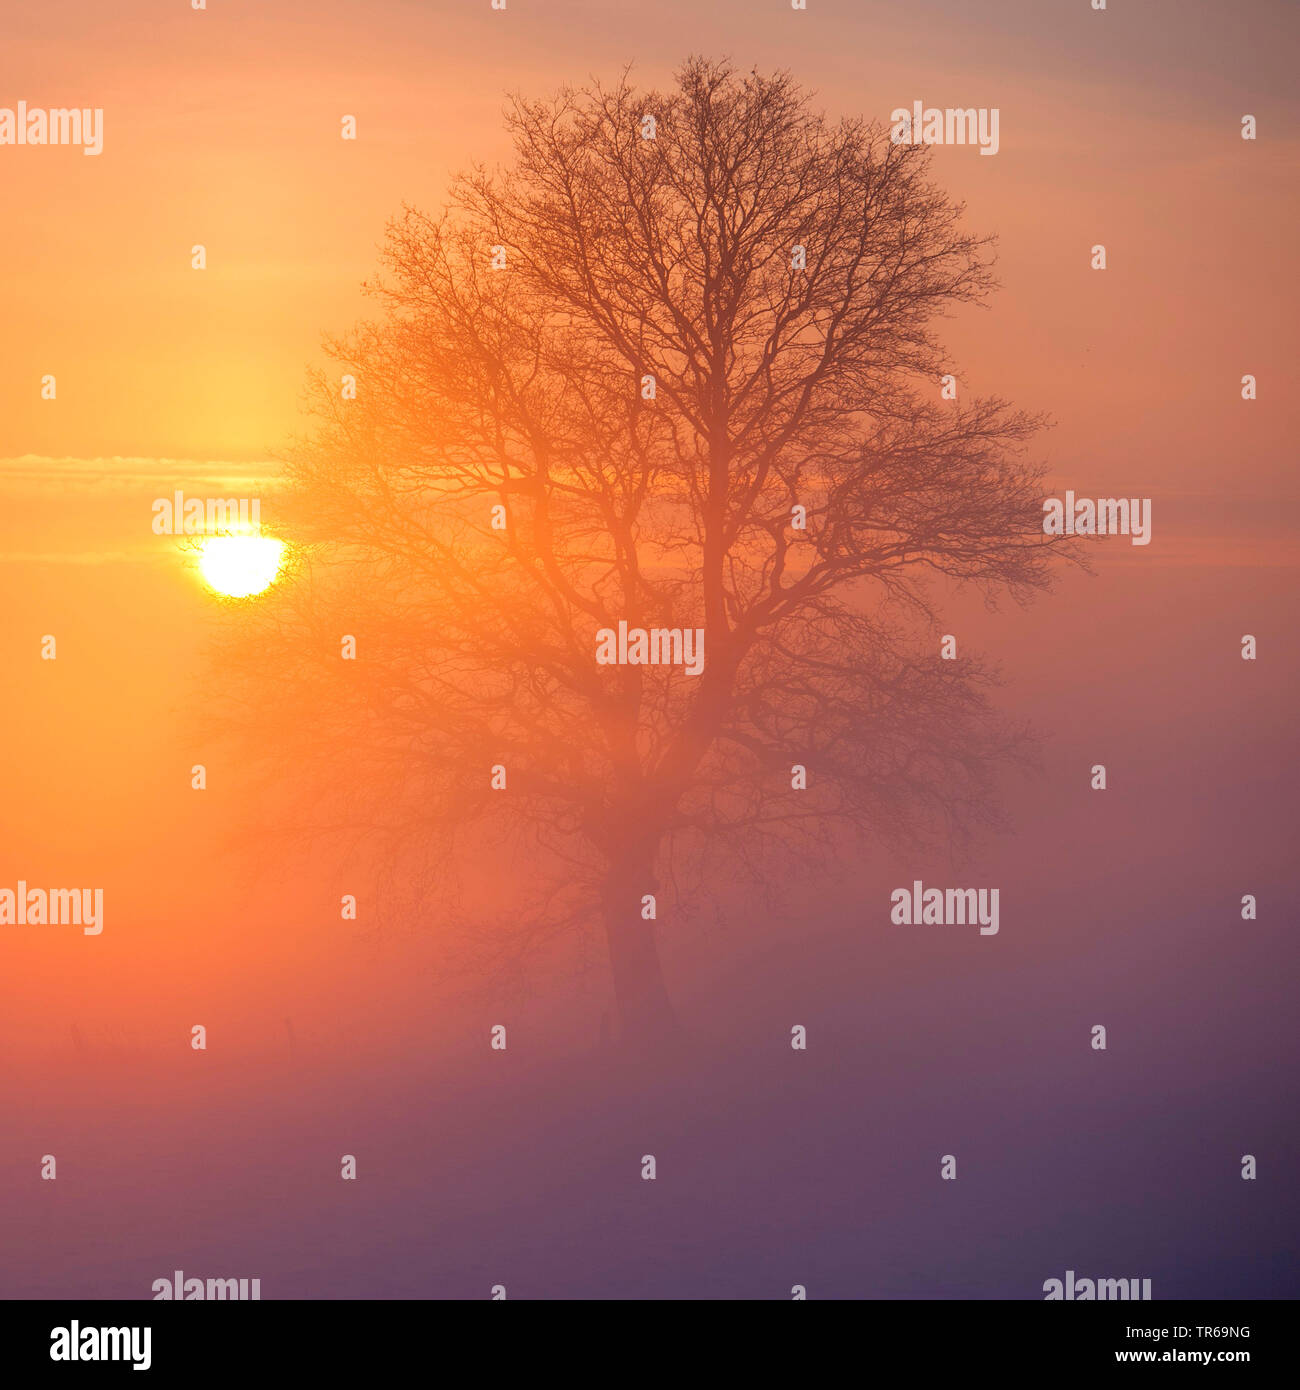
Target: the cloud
pixel 36 473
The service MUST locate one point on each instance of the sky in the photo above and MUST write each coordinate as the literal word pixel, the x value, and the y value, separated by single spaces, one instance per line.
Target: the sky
pixel 222 128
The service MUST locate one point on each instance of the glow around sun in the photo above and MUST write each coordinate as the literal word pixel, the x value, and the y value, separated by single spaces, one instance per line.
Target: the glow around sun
pixel 240 566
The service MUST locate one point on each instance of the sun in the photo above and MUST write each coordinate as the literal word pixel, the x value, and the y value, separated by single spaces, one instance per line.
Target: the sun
pixel 240 566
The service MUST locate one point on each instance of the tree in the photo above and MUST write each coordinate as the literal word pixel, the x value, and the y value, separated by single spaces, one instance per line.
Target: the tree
pixel 676 368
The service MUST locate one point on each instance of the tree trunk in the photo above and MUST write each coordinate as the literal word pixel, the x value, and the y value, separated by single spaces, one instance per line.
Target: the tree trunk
pixel 644 1010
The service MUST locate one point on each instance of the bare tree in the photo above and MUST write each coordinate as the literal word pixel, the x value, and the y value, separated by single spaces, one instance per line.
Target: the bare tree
pixel 675 367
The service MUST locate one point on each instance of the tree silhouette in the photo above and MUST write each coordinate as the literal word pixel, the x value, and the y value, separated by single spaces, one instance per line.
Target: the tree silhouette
pixel 674 367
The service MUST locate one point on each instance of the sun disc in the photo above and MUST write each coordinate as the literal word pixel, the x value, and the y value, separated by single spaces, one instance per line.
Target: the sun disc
pixel 240 566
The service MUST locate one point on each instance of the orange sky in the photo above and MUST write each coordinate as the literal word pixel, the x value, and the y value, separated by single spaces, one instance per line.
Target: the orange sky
pixel 222 128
